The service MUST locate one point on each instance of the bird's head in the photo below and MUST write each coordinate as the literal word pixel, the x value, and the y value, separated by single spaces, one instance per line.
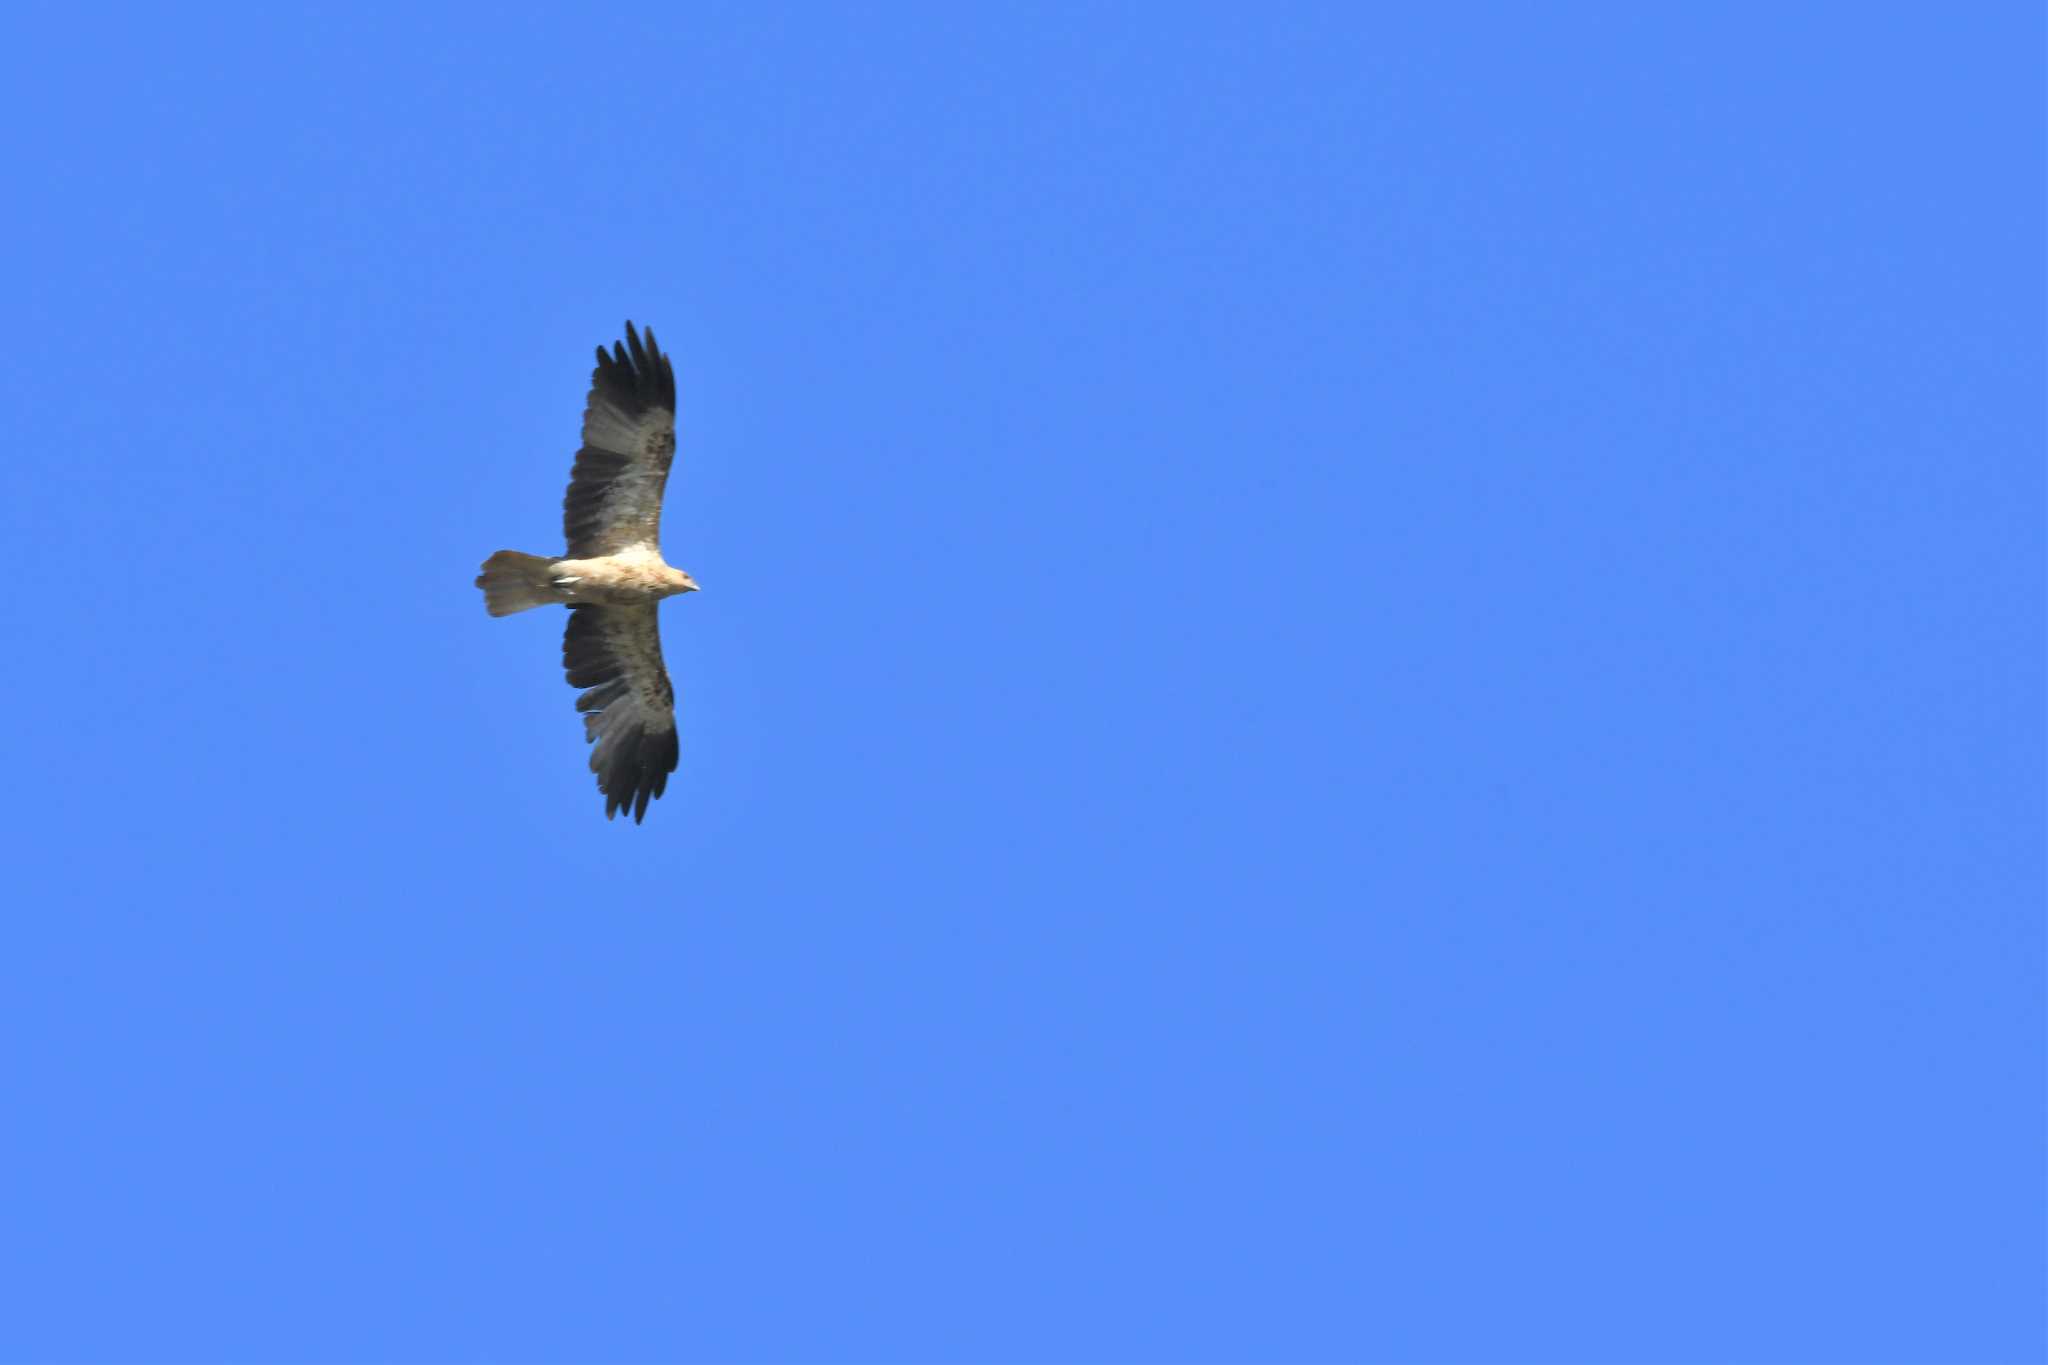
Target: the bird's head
pixel 685 583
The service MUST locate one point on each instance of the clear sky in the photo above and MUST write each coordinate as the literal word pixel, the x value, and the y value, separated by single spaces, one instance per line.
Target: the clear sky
pixel 1369 686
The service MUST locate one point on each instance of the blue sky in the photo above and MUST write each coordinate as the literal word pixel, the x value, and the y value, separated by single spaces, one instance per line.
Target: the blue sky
pixel 1369 686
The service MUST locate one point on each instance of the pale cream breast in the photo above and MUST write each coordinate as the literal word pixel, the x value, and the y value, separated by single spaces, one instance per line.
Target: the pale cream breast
pixel 625 579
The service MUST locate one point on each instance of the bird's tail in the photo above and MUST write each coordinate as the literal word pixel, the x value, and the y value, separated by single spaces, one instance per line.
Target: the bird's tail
pixel 514 582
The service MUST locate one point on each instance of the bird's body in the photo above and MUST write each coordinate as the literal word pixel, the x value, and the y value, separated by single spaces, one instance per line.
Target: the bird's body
pixel 614 576
pixel 631 578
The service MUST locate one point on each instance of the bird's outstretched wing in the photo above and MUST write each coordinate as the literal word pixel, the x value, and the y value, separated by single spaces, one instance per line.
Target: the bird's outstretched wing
pixel 629 440
pixel 629 711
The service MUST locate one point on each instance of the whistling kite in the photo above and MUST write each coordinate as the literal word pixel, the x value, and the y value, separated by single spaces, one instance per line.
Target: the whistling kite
pixel 613 578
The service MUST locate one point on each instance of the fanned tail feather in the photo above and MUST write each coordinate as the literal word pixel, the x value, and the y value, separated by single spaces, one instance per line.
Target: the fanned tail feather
pixel 515 582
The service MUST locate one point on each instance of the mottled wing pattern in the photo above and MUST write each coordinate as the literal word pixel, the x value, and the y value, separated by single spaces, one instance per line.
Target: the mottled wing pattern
pixel 629 711
pixel 629 440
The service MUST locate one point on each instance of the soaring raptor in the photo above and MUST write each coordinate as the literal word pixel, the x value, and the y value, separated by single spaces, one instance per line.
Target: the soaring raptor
pixel 613 578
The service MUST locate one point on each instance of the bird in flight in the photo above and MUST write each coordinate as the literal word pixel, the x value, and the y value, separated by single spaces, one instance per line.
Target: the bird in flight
pixel 613 578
